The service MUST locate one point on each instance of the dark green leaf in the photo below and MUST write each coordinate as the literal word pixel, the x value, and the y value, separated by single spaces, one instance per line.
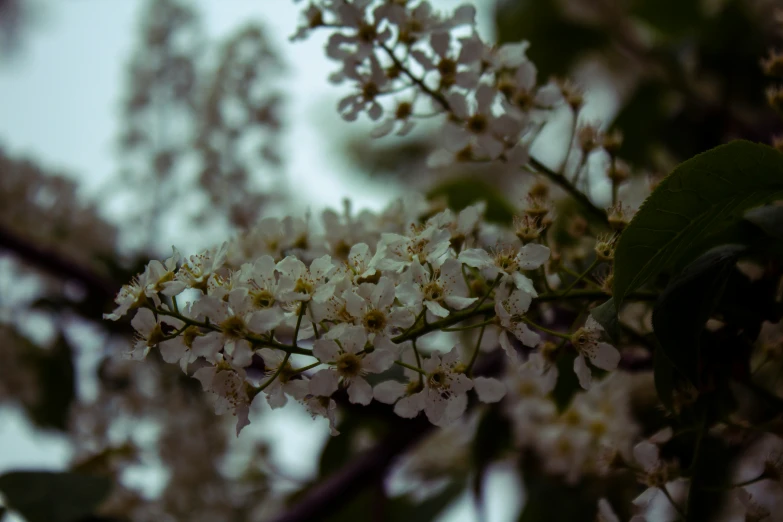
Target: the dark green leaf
pixel 44 496
pixel 606 315
pixel 700 197
pixel 461 193
pixel 687 303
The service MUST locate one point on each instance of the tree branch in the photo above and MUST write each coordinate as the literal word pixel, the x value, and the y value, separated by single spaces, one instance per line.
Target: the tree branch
pixel 55 264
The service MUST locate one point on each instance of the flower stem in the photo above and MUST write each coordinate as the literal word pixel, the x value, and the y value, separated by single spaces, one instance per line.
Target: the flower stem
pixel 418 360
pixel 469 370
pixel 305 368
pixel 546 330
pixel 269 381
pixel 580 277
pixel 410 367
pixel 470 326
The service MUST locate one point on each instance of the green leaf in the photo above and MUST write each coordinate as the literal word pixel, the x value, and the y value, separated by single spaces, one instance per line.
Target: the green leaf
pixel 45 496
pixel 702 196
pixel 686 304
pixel 461 193
pixel 606 315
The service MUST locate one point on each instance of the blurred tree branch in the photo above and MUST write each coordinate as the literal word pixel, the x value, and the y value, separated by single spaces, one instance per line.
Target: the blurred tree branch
pixel 98 287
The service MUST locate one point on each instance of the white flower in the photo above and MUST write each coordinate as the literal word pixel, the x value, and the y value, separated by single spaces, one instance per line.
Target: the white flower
pixel 508 261
pixel 462 226
pixel 425 245
pixel 235 319
pixel 444 396
pixel 365 34
pixel 149 331
pixel 180 348
pixel 657 473
pixel 261 282
pixel 603 355
pixel 401 115
pixel 157 277
pixel 317 405
pixel 454 70
pixel 267 237
pixel 343 232
pixel 276 391
pixel 349 363
pixel 198 271
pixel 370 84
pixel 130 296
pixel 479 126
pixel 370 305
pixel 161 276
pixel 445 285
pixel 510 307
pixel 566 450
pixel 227 387
pixel 521 93
pixel 529 404
pixel 361 263
pixel 297 283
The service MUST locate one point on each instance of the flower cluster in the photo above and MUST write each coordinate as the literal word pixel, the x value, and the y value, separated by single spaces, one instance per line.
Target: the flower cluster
pixel 355 296
pixel 433 64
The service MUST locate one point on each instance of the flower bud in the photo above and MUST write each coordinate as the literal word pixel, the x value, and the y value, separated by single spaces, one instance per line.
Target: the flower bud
pixel 775 97
pixel 618 172
pixel 604 248
pixel 773 64
pixel 619 216
pixel 612 141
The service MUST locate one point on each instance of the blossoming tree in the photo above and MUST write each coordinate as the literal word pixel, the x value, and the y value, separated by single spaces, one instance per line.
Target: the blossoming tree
pixel 627 359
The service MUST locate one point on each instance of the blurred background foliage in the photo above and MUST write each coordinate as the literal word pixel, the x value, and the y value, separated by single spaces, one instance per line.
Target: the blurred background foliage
pixel 202 118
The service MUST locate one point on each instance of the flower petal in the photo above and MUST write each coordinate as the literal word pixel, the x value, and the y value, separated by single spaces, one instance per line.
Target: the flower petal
pixel 324 383
pixel 388 392
pixel 359 391
pixel 489 390
pixel 604 356
pixel 583 372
